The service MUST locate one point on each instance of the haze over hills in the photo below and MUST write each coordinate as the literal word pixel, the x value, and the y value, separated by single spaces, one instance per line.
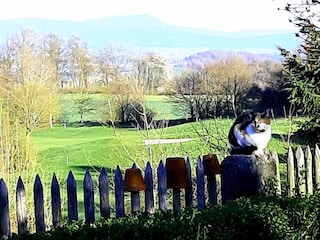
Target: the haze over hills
pixel 146 32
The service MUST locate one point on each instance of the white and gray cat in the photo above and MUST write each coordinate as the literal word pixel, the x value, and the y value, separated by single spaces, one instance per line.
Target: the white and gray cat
pixel 250 133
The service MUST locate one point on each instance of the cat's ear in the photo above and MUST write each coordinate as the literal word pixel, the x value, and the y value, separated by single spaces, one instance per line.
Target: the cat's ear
pixel 268 113
pixel 249 116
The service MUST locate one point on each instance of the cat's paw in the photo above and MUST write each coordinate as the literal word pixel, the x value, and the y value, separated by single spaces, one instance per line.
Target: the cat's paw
pixel 259 152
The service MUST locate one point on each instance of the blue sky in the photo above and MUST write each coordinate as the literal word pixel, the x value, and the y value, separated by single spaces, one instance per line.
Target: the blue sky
pixel 231 15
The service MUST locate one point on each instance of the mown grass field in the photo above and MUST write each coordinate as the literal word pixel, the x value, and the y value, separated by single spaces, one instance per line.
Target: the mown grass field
pixel 162 106
pixel 74 148
pixel 62 149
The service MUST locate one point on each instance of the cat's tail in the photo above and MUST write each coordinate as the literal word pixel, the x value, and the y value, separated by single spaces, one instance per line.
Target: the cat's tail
pixel 248 150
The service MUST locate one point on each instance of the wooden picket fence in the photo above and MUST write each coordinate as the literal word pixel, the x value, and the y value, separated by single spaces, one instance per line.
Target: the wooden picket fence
pixel 303 177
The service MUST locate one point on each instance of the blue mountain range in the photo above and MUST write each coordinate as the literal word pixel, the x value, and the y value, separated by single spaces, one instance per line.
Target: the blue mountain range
pixel 145 31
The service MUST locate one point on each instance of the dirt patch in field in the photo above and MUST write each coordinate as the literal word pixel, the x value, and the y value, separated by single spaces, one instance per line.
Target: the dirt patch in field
pixel 166 141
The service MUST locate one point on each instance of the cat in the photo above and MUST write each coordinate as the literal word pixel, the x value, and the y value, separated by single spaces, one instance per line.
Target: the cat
pixel 250 133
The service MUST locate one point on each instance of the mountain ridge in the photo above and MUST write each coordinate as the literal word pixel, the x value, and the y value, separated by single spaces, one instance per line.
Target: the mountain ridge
pixel 147 32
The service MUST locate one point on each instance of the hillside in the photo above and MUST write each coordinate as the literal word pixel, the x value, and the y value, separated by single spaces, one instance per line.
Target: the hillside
pixel 146 32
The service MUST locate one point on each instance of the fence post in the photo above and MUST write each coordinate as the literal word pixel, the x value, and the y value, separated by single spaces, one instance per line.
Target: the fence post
pixel 104 194
pixel 55 202
pixel 134 195
pixel 88 197
pixel 162 187
pixel 211 169
pixel 301 171
pixel 176 202
pixel 4 210
pixel 275 157
pixel 38 204
pixel 72 198
pixel 317 166
pixel 149 196
pixel 21 208
pixel 200 184
pixel 309 180
pixel 188 190
pixel 239 177
pixel 119 195
pixel 290 173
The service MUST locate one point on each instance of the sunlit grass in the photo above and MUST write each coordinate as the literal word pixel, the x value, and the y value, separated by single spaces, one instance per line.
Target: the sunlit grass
pixel 63 149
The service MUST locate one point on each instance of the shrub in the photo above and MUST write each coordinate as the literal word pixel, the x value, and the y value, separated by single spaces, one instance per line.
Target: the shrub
pixel 256 218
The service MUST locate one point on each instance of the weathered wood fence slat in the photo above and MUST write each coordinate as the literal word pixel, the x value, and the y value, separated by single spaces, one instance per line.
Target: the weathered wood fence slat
pixel 316 161
pixel 149 195
pixel 162 187
pixel 55 202
pixel 72 198
pixel 303 177
pixel 21 209
pixel 4 210
pixel 104 194
pixel 88 193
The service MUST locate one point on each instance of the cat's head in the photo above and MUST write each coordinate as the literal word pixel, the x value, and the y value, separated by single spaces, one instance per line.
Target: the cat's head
pixel 262 121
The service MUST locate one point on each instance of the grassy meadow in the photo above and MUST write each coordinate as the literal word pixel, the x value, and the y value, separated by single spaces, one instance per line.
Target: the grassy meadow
pixel 77 148
pixel 80 148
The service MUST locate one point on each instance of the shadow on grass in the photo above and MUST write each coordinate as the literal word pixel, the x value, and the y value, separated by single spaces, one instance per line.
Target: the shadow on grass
pixel 129 124
pixel 294 140
pixel 93 169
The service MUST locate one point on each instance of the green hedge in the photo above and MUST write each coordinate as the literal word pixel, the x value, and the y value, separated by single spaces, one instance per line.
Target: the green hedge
pixel 256 218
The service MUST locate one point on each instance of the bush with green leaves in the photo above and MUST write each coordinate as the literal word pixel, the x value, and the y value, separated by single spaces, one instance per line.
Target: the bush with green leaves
pixel 259 217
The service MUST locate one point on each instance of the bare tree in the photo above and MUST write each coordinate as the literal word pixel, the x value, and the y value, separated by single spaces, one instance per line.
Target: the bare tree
pixel 115 61
pixel 79 65
pixel 30 90
pixel 233 78
pixel 152 72
pixel 194 94
pixel 55 47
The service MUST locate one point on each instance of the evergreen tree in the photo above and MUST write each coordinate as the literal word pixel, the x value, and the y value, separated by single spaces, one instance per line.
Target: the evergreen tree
pixel 302 68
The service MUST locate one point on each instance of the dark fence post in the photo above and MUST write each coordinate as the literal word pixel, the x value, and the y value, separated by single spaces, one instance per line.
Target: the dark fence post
pixel 21 208
pixel 55 202
pixel 4 210
pixel 149 196
pixel 88 196
pixel 135 202
pixel 176 201
pixel 211 169
pixel 38 204
pixel 135 198
pixel 162 187
pixel 239 177
pixel 200 184
pixel 104 194
pixel 72 198
pixel 188 190
pixel 119 193
pixel 212 189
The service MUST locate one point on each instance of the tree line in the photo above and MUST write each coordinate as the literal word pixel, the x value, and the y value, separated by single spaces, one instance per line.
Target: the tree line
pixel 34 69
pixel 228 86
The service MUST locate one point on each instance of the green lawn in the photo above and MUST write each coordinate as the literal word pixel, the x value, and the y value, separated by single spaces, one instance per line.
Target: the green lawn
pixel 163 106
pixel 60 149
pixel 78 148
pixel 75 148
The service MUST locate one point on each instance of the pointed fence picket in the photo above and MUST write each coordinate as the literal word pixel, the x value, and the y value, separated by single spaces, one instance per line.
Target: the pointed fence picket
pixel 104 194
pixel 55 202
pixel 303 177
